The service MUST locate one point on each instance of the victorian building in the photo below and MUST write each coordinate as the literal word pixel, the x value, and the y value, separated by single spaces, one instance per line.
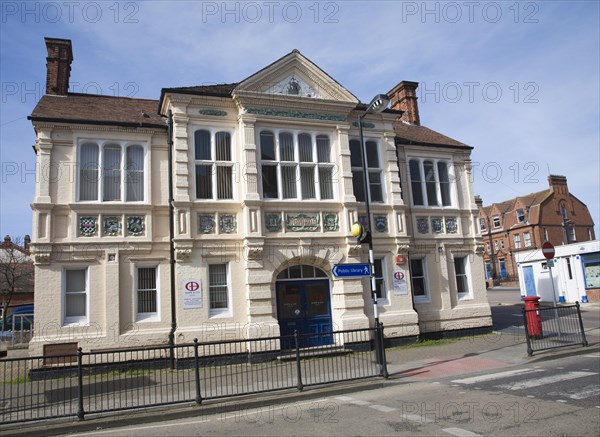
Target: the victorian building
pixel 525 222
pixel 267 182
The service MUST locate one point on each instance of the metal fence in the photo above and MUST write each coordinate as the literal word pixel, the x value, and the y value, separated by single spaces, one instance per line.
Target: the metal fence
pixel 97 382
pixel 553 327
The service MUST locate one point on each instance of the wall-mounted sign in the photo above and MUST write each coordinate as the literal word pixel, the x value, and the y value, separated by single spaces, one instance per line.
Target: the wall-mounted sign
pixel 192 293
pixel 305 222
pixel 400 286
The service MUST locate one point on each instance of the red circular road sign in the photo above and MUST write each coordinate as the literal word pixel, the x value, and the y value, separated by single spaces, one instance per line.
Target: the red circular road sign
pixel 548 250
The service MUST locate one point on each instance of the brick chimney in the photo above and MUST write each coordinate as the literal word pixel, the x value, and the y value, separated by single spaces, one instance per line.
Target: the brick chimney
pixel 558 184
pixel 58 66
pixel 404 98
pixel 478 201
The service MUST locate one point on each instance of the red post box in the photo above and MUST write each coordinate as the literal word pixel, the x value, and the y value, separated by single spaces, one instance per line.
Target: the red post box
pixel 534 321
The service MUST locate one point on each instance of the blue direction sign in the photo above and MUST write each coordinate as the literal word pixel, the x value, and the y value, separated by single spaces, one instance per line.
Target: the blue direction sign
pixel 351 270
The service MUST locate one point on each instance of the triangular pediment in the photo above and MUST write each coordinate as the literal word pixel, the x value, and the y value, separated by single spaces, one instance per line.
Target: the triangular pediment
pixel 294 75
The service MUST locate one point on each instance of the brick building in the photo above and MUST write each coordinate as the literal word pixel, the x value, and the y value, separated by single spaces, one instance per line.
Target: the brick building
pixel 525 222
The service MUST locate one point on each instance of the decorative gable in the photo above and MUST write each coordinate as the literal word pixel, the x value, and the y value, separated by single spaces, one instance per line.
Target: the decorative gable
pixel 297 76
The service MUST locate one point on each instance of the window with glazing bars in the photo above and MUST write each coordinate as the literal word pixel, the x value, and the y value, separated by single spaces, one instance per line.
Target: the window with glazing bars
pixel 214 165
pixel 296 166
pixel 373 167
pixel 121 176
pixel 146 290
pixel 460 268
pixel 217 287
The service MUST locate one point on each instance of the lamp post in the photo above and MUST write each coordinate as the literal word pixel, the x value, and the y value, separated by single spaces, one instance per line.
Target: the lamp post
pixel 377 105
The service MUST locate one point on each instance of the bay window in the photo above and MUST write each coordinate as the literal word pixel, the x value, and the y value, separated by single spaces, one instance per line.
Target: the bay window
pixel 430 182
pixel 111 171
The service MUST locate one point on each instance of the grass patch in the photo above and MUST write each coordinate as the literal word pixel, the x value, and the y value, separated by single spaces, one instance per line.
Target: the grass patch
pixel 426 342
pixel 18 380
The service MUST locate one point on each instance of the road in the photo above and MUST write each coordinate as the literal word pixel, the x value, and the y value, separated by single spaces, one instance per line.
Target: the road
pixel 558 397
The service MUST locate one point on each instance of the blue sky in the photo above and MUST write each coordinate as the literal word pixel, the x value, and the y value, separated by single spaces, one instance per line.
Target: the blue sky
pixel 519 81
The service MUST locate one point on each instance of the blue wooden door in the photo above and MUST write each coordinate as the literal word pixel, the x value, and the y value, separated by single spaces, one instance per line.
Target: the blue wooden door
pixel 529 281
pixel 502 269
pixel 304 306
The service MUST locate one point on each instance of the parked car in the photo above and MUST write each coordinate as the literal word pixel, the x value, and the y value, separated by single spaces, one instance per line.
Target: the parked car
pixel 20 319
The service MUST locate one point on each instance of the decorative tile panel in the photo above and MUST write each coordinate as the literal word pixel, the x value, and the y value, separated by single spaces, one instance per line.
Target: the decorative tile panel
pixel 330 222
pixel 294 114
pixel 135 225
pixel 206 223
pixel 451 225
pixel 381 223
pixel 273 222
pixel 437 225
pixel 111 226
pixel 305 222
pixel 88 226
pixel 213 112
pixel 423 225
pixel 227 223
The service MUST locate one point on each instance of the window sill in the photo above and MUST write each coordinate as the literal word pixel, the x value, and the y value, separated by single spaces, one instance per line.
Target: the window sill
pixel 80 323
pixel 147 318
pixel 464 296
pixel 219 314
pixel 419 300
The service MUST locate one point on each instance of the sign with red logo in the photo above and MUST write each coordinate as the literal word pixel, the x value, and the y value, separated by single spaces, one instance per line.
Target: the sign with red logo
pixel 192 293
pixel 548 250
pixel 400 286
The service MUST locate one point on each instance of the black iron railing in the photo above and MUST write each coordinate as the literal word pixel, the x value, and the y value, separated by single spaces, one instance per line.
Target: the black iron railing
pixel 553 327
pixel 103 381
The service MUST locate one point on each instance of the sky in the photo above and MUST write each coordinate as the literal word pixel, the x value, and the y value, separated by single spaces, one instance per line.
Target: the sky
pixel 517 80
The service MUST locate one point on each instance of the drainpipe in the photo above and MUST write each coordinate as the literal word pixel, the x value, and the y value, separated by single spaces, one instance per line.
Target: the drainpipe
pixel 171 237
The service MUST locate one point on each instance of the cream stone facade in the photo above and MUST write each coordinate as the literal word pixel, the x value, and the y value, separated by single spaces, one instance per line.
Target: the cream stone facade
pixel 265 186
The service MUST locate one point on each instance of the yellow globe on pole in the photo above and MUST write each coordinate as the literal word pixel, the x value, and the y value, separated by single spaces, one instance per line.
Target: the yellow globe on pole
pixel 357 229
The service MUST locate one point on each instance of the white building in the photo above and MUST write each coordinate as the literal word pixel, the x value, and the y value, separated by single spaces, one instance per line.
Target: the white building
pixel 573 276
pixel 267 183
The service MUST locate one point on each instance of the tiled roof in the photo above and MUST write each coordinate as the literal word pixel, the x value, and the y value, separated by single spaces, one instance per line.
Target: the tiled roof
pixel 219 89
pixel 423 136
pixel 97 109
pixel 528 200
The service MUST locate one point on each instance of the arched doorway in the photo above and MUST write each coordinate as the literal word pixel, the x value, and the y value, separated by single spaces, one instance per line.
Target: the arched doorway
pixel 304 304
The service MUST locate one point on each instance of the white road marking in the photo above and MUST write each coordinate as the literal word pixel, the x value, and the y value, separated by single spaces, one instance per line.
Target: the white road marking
pixel 459 432
pixel 561 401
pixel 359 402
pixel 416 418
pixel 596 355
pixel 584 393
pixel 344 398
pixel 545 380
pixel 382 408
pixel 490 377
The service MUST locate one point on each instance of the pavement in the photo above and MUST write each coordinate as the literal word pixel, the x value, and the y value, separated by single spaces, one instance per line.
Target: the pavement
pixel 417 362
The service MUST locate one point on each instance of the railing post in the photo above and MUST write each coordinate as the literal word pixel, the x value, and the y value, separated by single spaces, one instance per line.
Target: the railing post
pixel 584 343
pixel 197 372
pixel 384 371
pixel 298 366
pixel 529 350
pixel 80 411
